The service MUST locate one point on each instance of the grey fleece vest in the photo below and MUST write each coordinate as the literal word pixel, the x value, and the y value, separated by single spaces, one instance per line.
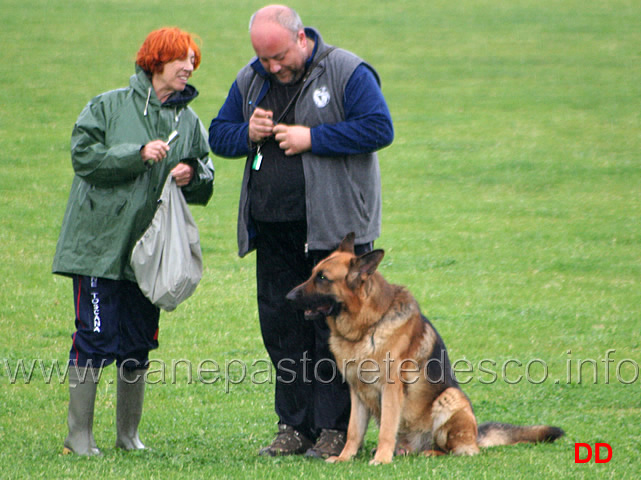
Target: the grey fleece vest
pixel 343 194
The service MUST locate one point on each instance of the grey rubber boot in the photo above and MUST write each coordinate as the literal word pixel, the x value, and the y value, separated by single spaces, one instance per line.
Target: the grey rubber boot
pixel 83 383
pixel 130 396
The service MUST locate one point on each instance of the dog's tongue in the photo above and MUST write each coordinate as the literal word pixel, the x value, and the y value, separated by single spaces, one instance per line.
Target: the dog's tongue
pixel 320 311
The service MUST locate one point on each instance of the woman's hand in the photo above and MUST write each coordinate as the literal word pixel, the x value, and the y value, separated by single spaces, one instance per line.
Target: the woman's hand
pixel 182 173
pixel 154 151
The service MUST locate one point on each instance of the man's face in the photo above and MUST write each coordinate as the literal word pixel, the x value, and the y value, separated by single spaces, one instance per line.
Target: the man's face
pixel 281 53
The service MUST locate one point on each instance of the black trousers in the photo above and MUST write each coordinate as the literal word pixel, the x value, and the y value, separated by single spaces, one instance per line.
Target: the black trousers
pixel 310 392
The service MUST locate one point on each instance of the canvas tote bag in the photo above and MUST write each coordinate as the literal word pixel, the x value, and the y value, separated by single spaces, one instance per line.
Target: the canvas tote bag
pixel 167 260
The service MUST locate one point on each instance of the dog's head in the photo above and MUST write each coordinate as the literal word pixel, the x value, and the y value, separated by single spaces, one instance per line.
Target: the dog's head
pixel 337 283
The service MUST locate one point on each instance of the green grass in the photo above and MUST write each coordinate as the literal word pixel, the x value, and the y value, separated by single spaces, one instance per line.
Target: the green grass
pixel 512 210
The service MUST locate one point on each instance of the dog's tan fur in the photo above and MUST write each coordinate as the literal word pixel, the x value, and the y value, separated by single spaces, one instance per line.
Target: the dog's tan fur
pixel 384 348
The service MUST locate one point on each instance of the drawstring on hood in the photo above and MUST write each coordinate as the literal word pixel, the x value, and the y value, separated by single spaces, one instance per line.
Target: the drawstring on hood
pixel 147 102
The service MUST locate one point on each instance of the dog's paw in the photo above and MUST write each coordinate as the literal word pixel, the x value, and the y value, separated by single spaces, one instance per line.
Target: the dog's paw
pixel 381 459
pixel 337 459
pixel 432 453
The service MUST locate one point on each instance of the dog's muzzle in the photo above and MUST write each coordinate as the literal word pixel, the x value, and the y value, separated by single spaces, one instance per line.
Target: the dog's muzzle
pixel 315 307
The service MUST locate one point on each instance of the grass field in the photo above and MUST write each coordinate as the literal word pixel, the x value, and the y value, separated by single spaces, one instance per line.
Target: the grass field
pixel 512 210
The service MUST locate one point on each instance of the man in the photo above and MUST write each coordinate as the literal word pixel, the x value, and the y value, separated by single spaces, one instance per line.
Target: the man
pixel 311 177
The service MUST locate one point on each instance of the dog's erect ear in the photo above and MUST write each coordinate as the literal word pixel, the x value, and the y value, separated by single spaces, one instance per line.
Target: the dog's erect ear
pixel 364 266
pixel 347 245
pixel 368 262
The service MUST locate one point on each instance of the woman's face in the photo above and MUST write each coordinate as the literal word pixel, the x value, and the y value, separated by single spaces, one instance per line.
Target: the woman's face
pixel 174 76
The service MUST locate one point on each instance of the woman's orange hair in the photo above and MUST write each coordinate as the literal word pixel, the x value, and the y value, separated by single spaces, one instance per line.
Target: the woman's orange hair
pixel 163 46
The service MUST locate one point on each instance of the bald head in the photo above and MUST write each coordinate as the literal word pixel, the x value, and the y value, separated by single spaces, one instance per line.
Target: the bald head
pixel 278 37
pixel 281 15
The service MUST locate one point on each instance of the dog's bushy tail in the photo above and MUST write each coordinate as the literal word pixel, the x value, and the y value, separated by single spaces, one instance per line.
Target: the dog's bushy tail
pixel 493 434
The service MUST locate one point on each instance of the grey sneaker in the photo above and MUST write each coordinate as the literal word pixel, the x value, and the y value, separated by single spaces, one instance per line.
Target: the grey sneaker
pixel 330 443
pixel 287 442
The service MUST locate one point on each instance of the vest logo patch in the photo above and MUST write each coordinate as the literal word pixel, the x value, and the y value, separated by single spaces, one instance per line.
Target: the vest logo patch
pixel 321 97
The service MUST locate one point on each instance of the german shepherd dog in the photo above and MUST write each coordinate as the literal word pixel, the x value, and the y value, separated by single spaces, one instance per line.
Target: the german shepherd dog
pixel 396 365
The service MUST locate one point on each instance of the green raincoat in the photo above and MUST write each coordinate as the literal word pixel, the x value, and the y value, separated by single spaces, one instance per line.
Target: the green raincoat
pixel 114 194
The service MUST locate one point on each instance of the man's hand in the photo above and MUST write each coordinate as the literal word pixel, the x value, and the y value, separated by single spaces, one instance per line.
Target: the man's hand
pixel 183 174
pixel 293 139
pixel 261 124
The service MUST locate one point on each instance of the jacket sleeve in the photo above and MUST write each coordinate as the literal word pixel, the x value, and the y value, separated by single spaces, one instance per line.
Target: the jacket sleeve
pixel 201 187
pixel 93 160
pixel 367 126
pixel 229 131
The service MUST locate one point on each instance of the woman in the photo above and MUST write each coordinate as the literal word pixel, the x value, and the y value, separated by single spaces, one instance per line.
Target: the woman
pixel 121 156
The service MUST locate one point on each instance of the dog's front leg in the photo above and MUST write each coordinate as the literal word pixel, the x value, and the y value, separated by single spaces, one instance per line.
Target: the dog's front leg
pixel 358 421
pixel 391 407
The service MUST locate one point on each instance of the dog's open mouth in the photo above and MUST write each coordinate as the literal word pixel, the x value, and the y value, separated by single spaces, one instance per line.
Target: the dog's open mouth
pixel 315 307
pixel 321 311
